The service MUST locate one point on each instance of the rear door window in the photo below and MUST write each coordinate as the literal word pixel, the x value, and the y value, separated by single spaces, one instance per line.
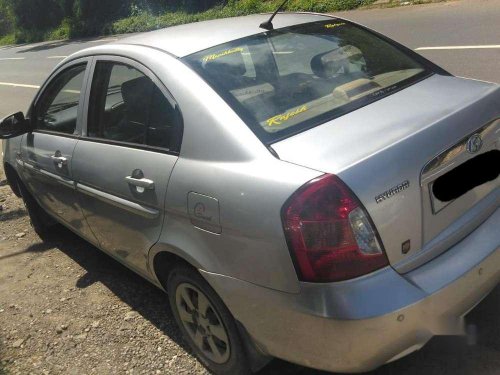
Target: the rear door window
pixel 126 106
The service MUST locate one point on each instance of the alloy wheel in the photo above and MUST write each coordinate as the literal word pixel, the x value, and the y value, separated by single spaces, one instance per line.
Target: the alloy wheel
pixel 202 323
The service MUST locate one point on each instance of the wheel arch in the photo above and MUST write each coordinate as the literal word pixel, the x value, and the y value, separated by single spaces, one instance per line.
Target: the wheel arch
pixel 13 178
pixel 163 259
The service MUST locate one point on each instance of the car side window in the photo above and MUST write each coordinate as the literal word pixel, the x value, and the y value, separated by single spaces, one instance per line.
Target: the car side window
pixel 57 108
pixel 127 106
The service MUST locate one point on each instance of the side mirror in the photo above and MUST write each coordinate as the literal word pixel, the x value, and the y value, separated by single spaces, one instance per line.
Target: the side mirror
pixel 14 125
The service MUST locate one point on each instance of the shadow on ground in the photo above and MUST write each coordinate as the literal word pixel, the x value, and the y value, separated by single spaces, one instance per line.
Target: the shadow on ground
pixel 38 247
pixel 139 294
pixel 12 215
pixel 55 44
pixel 442 355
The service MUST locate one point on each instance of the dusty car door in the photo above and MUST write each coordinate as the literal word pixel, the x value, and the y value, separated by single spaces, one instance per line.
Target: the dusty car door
pixel 47 151
pixel 124 159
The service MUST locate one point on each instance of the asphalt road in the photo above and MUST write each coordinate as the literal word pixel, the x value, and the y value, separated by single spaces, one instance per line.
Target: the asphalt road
pixel 461 36
pixel 469 23
pixel 465 23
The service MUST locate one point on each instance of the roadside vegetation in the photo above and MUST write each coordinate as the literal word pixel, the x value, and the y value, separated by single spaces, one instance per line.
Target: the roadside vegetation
pixel 25 21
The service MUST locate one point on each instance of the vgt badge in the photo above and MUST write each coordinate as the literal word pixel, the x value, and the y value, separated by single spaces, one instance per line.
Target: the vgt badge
pixel 474 144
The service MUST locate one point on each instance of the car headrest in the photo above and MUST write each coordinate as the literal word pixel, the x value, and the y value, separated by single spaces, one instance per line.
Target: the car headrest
pixel 328 64
pixel 232 64
pixel 136 93
pixel 317 66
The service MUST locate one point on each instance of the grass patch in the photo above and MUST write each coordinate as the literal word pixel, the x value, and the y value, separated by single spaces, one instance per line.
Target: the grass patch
pixel 5 41
pixel 32 36
pixel 62 32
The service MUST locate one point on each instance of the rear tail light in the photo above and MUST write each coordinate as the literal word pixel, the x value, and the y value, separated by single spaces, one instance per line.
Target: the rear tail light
pixel 330 235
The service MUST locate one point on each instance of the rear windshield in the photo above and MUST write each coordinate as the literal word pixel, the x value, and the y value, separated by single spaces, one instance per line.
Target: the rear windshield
pixel 287 80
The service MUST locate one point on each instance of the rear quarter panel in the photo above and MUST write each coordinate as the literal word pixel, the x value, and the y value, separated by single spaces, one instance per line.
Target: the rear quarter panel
pixel 378 147
pixel 251 245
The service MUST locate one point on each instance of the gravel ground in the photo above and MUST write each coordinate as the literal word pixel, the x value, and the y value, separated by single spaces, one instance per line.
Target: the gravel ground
pixel 67 308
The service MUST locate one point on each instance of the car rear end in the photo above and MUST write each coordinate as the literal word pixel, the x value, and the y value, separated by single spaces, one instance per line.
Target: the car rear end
pixel 433 197
pixel 379 276
pixel 397 238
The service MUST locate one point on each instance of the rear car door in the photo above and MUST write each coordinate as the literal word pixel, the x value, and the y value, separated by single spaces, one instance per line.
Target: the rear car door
pixel 125 157
pixel 47 151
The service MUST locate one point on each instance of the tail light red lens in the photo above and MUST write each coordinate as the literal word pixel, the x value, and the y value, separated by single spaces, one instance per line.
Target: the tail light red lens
pixel 329 233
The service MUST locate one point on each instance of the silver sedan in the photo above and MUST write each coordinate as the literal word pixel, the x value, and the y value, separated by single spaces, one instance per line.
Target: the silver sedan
pixel 305 189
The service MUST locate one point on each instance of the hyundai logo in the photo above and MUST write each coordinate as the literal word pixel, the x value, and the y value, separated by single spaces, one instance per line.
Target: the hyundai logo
pixel 474 143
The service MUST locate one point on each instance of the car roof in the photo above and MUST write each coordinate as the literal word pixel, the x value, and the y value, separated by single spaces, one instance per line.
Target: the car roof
pixel 189 38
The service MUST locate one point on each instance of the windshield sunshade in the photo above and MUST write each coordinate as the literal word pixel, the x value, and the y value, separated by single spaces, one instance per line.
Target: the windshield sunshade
pixel 287 80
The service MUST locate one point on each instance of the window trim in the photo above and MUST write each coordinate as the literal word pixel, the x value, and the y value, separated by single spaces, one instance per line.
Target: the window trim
pixel 59 134
pixel 119 59
pixel 130 145
pixel 83 97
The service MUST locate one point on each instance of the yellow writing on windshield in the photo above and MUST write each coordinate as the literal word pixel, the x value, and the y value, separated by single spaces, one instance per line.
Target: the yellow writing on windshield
pixel 333 25
pixel 216 56
pixel 279 119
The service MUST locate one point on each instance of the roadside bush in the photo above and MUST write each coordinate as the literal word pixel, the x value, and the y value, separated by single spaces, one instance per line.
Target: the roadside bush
pixel 6 19
pixel 256 6
pixel 193 6
pixel 7 39
pixel 62 32
pixel 91 16
pixel 144 20
pixel 35 20
pixel 36 15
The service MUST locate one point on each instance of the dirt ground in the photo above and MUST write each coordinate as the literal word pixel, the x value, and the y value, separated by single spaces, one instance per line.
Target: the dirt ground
pixel 67 308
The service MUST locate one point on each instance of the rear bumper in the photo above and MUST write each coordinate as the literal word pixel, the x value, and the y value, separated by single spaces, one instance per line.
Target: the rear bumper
pixel 360 324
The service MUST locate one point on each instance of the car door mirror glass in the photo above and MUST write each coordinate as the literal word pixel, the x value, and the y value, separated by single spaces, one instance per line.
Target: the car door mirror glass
pixel 13 125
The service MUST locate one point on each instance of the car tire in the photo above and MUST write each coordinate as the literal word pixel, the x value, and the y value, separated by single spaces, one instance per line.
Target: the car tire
pixel 41 222
pixel 206 323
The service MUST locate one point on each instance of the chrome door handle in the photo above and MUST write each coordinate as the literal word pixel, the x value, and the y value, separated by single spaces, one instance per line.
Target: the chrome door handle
pixel 140 182
pixel 59 159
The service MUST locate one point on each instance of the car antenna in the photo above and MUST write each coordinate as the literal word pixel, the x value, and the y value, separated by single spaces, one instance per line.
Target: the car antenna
pixel 268 25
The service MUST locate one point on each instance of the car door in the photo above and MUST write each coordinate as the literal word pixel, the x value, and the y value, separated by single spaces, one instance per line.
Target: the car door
pixel 47 151
pixel 125 157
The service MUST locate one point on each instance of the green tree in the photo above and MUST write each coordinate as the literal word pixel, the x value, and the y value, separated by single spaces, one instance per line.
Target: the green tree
pixel 6 18
pixel 36 15
pixel 90 16
pixel 193 6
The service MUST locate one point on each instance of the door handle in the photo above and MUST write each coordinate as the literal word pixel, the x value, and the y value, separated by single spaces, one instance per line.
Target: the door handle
pixel 59 160
pixel 140 182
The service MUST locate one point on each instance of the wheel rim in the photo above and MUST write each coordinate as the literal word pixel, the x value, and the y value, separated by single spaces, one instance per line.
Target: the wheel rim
pixel 202 322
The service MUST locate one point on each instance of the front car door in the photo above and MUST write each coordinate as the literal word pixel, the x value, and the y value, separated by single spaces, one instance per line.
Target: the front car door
pixel 125 157
pixel 47 151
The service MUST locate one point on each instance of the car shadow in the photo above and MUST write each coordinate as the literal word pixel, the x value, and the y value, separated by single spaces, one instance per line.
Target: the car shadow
pixel 12 215
pixel 56 44
pixel 38 247
pixel 140 295
pixel 442 355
